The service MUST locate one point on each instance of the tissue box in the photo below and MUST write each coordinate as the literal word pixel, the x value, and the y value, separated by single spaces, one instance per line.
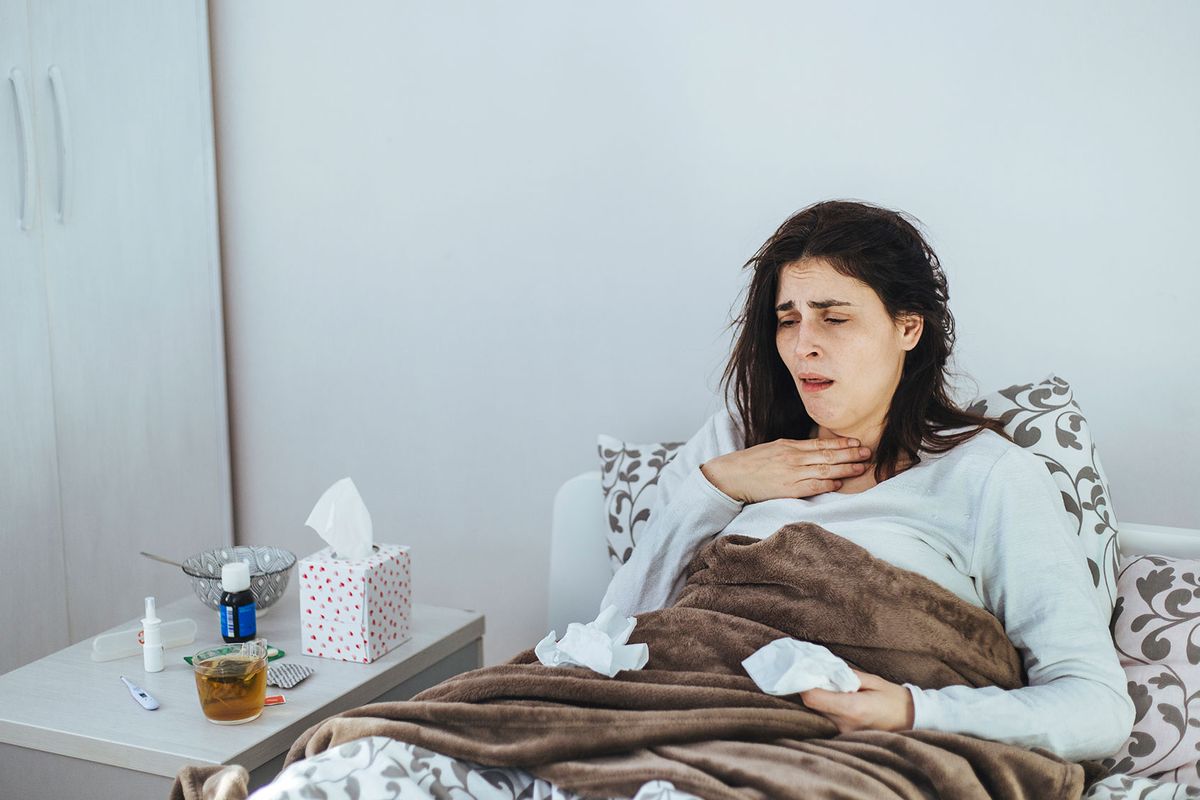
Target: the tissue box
pixel 355 609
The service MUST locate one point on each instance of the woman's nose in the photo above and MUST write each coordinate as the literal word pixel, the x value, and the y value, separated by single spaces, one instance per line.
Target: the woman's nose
pixel 806 340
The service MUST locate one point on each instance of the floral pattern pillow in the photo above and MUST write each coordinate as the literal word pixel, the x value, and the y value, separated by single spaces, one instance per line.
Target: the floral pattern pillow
pixel 1156 628
pixel 1041 417
pixel 629 477
pixel 1045 419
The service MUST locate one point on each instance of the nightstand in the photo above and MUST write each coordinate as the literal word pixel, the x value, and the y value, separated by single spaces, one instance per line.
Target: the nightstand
pixel 69 727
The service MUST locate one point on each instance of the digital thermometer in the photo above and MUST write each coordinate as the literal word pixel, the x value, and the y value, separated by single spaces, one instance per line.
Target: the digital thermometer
pixel 147 702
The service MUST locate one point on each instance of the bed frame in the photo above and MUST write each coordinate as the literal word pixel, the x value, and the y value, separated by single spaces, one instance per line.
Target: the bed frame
pixel 580 571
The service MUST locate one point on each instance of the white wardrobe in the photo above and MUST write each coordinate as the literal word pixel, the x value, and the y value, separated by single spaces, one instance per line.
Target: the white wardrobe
pixel 113 426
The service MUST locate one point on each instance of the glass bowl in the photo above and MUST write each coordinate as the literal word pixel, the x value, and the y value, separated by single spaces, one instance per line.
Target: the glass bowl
pixel 269 571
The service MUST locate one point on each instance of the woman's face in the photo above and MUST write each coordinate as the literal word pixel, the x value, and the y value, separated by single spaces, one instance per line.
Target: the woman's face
pixel 836 327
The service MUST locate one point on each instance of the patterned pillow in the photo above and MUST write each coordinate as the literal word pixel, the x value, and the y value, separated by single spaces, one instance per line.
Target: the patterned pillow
pixel 1045 418
pixel 629 477
pixel 1042 417
pixel 1156 627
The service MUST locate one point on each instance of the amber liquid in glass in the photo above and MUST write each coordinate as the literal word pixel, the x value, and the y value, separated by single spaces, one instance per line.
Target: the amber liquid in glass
pixel 232 687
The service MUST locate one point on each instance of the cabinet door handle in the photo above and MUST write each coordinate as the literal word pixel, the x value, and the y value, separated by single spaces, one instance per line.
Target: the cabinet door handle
pixel 25 121
pixel 64 138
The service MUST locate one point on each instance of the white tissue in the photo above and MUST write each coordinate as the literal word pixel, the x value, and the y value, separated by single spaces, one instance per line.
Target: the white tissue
pixel 598 645
pixel 787 666
pixel 342 520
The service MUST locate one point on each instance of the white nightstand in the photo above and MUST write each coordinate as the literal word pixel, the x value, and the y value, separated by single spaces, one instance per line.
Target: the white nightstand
pixel 69 728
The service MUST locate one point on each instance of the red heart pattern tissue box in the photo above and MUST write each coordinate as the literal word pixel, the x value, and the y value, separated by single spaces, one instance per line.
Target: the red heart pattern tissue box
pixel 355 609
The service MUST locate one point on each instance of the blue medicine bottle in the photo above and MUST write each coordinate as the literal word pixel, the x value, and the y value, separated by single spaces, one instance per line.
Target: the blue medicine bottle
pixel 238 623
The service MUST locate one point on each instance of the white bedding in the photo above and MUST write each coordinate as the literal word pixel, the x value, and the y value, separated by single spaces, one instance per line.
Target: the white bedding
pixel 1123 787
pixel 377 767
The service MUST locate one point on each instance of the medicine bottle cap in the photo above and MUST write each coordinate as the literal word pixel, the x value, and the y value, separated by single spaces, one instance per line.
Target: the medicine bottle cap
pixel 235 576
pixel 151 614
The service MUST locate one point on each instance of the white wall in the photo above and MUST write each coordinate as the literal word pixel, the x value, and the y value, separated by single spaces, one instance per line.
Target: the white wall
pixel 461 238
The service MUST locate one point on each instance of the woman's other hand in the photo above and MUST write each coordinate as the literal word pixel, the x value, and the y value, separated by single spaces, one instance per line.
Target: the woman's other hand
pixel 786 468
pixel 879 705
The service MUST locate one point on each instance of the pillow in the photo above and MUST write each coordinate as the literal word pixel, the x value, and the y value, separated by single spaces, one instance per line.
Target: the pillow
pixel 1156 628
pixel 1045 419
pixel 629 477
pixel 1042 417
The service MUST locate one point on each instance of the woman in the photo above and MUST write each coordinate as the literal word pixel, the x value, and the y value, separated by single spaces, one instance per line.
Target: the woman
pixel 844 419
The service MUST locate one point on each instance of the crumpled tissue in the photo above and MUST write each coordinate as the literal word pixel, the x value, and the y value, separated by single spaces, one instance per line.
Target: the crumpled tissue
pixel 787 666
pixel 342 520
pixel 599 645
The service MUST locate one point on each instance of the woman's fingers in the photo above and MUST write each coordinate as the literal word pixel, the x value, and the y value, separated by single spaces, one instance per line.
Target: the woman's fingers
pixel 786 468
pixel 819 478
pixel 822 474
pixel 815 445
pixel 839 456
pixel 870 681
pixel 819 465
pixel 820 699
pixel 825 454
pixel 836 470
pixel 811 486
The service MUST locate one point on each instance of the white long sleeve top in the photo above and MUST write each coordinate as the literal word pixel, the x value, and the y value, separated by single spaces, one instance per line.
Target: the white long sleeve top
pixel 983 520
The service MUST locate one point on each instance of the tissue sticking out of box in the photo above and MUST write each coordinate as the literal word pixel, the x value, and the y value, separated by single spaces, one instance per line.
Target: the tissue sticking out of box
pixel 788 666
pixel 342 520
pixel 599 645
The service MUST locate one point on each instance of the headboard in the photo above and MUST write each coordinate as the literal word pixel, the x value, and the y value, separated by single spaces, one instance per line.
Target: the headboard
pixel 580 571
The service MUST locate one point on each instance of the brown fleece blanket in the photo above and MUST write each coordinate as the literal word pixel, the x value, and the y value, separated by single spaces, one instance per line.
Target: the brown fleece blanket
pixel 692 716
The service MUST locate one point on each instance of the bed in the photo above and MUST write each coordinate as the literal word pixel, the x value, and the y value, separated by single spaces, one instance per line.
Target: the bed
pixel 579 573
pixel 1150 564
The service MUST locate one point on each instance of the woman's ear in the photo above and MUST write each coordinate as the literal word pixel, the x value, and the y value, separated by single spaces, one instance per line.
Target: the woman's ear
pixel 909 327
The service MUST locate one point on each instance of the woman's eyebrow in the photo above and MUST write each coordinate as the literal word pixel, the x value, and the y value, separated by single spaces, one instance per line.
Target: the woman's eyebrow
pixel 790 304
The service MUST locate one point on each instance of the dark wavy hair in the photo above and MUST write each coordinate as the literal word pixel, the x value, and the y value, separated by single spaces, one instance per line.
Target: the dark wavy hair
pixel 884 250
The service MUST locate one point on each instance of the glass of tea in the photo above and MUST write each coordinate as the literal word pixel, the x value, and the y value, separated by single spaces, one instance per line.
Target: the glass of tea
pixel 232 681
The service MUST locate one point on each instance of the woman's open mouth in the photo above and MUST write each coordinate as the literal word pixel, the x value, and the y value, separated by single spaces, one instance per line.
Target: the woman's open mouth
pixel 808 386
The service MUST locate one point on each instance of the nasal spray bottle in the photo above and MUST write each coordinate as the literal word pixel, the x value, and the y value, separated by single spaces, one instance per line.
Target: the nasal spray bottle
pixel 152 643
